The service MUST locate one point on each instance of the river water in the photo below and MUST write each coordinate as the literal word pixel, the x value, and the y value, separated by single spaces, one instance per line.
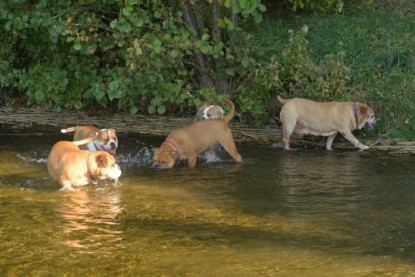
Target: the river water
pixel 308 212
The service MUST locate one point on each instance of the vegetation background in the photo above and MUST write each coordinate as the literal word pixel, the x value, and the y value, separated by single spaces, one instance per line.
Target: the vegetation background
pixel 165 57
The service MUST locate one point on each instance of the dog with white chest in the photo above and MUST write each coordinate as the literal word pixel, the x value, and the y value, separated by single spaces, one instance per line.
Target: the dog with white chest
pixel 72 167
pixel 105 139
pixel 304 117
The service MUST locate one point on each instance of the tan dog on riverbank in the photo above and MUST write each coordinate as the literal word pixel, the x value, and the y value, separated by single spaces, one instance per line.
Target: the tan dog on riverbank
pixel 304 116
pixel 72 167
pixel 105 139
pixel 192 140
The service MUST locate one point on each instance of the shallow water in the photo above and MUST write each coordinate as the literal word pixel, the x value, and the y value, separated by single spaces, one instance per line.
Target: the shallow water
pixel 300 213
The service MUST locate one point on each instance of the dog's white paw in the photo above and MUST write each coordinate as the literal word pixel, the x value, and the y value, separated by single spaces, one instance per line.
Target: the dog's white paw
pixel 67 188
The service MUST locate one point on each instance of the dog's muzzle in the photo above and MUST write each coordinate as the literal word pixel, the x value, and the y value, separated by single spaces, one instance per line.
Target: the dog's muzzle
pixel 370 124
pixel 115 172
pixel 158 166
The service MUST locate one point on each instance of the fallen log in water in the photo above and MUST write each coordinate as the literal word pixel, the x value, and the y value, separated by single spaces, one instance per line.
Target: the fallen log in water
pixel 36 119
pixel 126 123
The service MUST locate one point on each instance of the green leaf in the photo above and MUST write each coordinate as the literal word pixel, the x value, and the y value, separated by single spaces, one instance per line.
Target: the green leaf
pixel 77 46
pixel 138 51
pixel 133 110
pixel 261 8
pixel 161 109
pixel 174 53
pixel 127 10
pixel 78 105
pixel 151 109
pixel 197 101
pixel 114 24
pixel 158 14
pixel 113 85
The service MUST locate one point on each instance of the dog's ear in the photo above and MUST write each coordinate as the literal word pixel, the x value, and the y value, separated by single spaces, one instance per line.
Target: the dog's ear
pixel 102 160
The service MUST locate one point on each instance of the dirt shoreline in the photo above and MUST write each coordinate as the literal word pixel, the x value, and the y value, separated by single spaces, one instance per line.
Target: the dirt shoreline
pixel 36 121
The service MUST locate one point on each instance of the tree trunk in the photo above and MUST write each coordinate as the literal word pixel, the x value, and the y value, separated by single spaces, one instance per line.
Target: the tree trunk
pixel 194 21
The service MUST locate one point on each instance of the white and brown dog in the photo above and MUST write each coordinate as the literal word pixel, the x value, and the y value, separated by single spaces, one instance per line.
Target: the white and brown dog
pixel 72 167
pixel 209 110
pixel 304 116
pixel 192 140
pixel 105 139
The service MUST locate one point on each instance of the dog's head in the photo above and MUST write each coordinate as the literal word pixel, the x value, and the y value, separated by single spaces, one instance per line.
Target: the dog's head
pixel 106 140
pixel 101 165
pixel 212 112
pixel 164 157
pixel 366 117
pixel 209 110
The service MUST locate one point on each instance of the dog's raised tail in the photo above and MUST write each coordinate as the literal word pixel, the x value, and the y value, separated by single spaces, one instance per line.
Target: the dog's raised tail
pixel 84 141
pixel 231 112
pixel 282 101
pixel 68 130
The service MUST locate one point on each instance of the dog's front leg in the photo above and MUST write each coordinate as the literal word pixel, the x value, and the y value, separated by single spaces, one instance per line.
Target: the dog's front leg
pixel 191 160
pixel 350 137
pixel 66 185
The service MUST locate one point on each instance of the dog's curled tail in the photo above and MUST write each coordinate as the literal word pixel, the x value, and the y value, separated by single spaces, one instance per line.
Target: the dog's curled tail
pixel 282 101
pixel 68 130
pixel 84 141
pixel 231 113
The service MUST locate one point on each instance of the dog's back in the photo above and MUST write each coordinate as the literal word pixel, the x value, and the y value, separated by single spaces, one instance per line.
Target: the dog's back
pixel 81 132
pixel 58 155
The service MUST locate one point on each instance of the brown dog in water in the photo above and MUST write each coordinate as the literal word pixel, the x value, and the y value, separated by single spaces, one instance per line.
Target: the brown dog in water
pixel 210 110
pixel 192 140
pixel 105 139
pixel 304 116
pixel 72 167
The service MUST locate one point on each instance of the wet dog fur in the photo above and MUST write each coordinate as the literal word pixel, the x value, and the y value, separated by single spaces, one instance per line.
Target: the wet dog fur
pixel 192 140
pixel 72 167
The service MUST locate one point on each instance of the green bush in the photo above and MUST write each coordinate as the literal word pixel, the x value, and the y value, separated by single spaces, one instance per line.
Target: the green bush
pixel 142 56
pixel 296 75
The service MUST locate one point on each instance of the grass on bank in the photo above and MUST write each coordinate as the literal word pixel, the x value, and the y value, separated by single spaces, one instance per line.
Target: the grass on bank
pixel 379 47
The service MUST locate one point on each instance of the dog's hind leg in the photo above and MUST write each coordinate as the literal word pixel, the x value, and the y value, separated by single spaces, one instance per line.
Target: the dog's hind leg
pixel 229 145
pixel 330 140
pixel 287 130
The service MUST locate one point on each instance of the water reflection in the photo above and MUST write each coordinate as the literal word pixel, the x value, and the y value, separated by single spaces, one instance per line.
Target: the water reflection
pixel 301 213
pixel 90 219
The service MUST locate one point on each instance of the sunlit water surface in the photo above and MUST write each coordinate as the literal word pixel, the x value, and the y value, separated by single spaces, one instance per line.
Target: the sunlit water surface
pixel 301 213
